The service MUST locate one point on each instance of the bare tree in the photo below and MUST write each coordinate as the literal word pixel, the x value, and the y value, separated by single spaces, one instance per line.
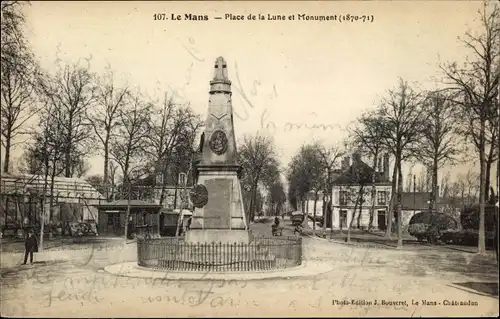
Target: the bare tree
pixel 126 147
pixel 368 139
pixel 17 68
pixel 422 181
pixel 173 132
pixel 277 197
pixel 97 181
pixel 475 86
pixel 112 178
pixel 256 155
pixel 439 144
pixel 104 116
pixel 469 186
pixel 47 149
pixel 356 194
pixel 313 158
pixel 13 42
pixel 401 120
pixel 329 157
pixel 29 164
pixel 71 92
pixel 492 135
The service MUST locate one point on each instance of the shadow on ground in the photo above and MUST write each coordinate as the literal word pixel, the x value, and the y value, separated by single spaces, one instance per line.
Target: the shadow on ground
pixel 471 265
pixel 480 288
pixel 11 245
pixel 41 271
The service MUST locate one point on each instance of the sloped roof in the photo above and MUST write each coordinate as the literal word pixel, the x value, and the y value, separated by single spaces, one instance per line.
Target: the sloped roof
pixel 417 200
pixel 358 172
pixel 69 187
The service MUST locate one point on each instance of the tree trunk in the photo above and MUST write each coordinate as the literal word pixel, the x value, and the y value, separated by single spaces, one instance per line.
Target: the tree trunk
pixel 324 214
pixel 373 193
pixel 353 214
pixel 164 184
pixel 6 163
pixel 481 246
pixel 398 205
pixel 249 207
pixel 389 215
pixel 67 162
pixel 106 168
pixel 307 204
pixel 435 196
pixel 52 182
pixel 304 210
pixel 127 212
pixel 489 162
pixel 44 200
pixel 314 212
pixel 254 203
pixel 360 209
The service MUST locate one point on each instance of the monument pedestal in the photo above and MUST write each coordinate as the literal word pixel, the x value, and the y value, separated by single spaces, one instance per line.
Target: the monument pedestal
pixel 222 219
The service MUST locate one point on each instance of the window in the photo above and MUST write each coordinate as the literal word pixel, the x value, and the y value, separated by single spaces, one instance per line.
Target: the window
pixel 343 197
pixel 381 198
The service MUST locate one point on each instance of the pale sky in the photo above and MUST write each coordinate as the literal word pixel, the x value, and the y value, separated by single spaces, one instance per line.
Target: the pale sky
pixel 310 72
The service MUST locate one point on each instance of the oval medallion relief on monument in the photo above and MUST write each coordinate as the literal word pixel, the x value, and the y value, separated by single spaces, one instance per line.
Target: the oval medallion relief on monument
pixel 199 195
pixel 218 142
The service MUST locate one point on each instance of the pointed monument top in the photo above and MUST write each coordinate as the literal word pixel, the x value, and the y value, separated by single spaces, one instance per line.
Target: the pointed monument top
pixel 220 69
pixel 220 82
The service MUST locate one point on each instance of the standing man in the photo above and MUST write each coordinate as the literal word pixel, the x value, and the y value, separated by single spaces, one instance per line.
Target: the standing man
pixel 31 246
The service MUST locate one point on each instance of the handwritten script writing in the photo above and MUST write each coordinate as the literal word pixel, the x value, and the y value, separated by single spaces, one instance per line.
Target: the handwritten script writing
pixel 308 124
pixel 348 273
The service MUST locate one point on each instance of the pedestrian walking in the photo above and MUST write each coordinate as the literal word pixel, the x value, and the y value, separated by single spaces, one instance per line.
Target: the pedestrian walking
pixel 31 246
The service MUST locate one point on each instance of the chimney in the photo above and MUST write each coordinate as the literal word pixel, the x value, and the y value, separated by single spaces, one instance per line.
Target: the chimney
pixel 345 163
pixel 386 167
pixel 356 157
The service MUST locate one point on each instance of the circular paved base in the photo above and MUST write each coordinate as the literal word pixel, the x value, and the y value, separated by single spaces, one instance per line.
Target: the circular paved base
pixel 131 269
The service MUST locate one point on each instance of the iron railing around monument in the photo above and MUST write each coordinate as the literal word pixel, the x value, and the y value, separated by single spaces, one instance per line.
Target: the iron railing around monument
pixel 262 253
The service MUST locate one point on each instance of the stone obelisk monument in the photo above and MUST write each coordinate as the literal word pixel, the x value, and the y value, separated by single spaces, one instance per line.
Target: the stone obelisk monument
pixel 219 214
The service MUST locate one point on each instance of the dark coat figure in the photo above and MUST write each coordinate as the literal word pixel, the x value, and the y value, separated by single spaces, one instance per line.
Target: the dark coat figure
pixel 31 246
pixel 276 221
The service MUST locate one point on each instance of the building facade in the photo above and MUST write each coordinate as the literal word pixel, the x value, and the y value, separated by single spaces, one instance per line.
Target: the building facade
pixel 352 194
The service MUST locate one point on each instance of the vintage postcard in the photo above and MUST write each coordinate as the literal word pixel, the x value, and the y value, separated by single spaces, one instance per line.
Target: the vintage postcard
pixel 249 158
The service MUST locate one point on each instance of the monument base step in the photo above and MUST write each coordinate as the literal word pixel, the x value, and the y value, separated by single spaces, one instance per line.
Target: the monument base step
pixel 217 265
